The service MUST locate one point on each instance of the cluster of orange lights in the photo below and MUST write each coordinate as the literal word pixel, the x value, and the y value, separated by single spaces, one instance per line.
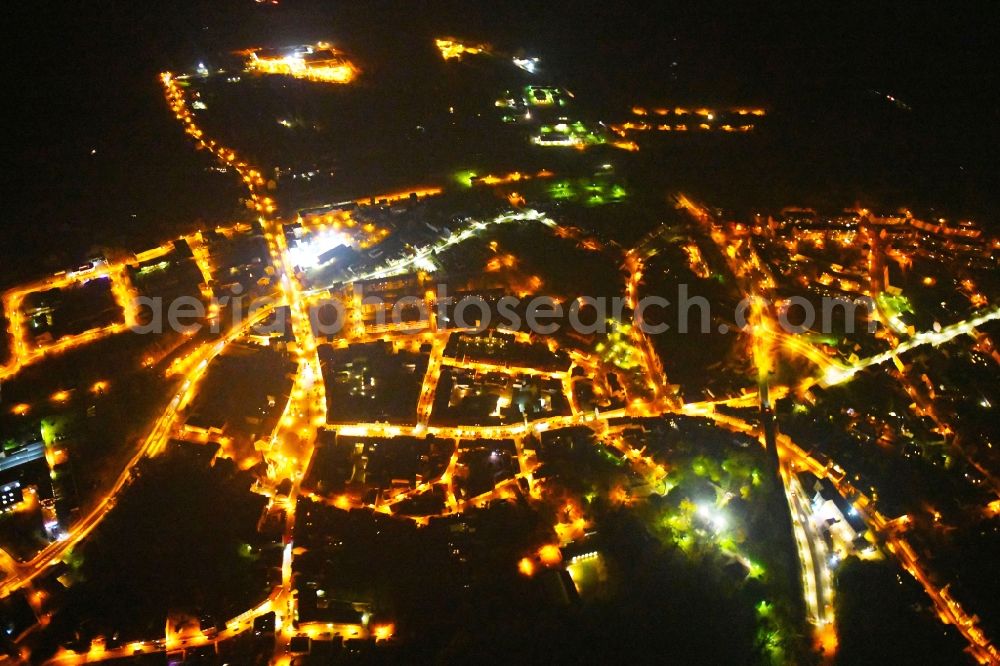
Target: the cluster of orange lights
pixel 335 68
pixel 383 632
pixel 60 396
pixel 548 556
pixel 27 350
pixel 365 235
pixel 517 200
pixel 512 177
pixel 622 129
pixel 703 112
pixel 695 261
pixel 701 119
pixel 630 146
pixel 572 523
pixel 395 197
pixel 452 49
pixel 501 261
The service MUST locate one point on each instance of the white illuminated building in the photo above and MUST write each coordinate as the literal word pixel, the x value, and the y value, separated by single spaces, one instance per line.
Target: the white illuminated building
pixel 307 253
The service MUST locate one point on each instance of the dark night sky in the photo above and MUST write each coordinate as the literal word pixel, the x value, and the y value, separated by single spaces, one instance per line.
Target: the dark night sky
pixel 85 79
